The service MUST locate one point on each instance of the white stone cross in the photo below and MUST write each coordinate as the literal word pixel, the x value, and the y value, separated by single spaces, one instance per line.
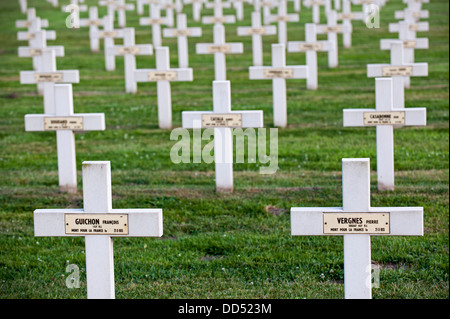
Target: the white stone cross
pixel 219 48
pixel 222 119
pixel 407 34
pixel 256 31
pixel 34 50
pixel 347 16
pixel 117 5
pixel 398 70
pixel 109 34
pixel 155 21
pixel 93 22
pixel 282 17
pixel 332 28
pixel 181 33
pixel 278 73
pixel 65 123
pixel 98 222
pixel 357 221
pixel 311 46
pixel 413 15
pixel 48 76
pixel 28 23
pixel 129 50
pixel 316 4
pixel 35 26
pixel 163 75
pixel 385 117
pixel 218 17
pixel 197 6
pixel 169 7
pixel 266 6
pixel 140 5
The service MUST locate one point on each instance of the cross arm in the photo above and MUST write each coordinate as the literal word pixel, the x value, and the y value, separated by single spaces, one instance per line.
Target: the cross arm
pixel 151 21
pixel 413 116
pixel 418 43
pixel 222 19
pixel 416 69
pixel 66 76
pixel 193 119
pixel 90 121
pixel 25 36
pixel 172 75
pixel 293 17
pixel 26 52
pixel 138 49
pixel 340 28
pixel 419 26
pixel 263 30
pixel 403 221
pixel 141 222
pixel 189 32
pixel 422 14
pixel 26 23
pixel 287 72
pixel 209 48
pixel 302 46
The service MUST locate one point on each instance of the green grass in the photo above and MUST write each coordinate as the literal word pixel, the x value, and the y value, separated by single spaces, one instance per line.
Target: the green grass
pixel 214 245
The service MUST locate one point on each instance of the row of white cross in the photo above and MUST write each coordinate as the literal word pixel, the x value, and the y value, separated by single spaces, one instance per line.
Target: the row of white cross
pixel 90 221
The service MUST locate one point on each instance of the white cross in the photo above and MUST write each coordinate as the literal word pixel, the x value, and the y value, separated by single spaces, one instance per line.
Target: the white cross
pixel 129 50
pixel 385 117
pixel 109 34
pixel 93 22
pixel 169 7
pixel 121 7
pixel 347 16
pixel 238 5
pixel 332 28
pixel 256 31
pixel 356 222
pixel 222 119
pixel 31 15
pixel 65 123
pixel 278 72
pixel 266 5
pixel 181 33
pixel 316 4
pixel 297 5
pixel 163 75
pixel 35 26
pixel 398 70
pixel 415 9
pixel 97 215
pixel 407 34
pixel 140 5
pixel 311 46
pixel 48 76
pixel 282 17
pixel 197 6
pixel 218 17
pixel 219 48
pixel 155 21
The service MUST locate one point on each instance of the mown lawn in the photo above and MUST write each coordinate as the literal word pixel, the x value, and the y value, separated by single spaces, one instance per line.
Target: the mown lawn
pixel 214 245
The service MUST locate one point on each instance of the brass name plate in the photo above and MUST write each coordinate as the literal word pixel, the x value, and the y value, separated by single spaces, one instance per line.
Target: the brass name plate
pixel 384 118
pixel 217 20
pixel 336 29
pixel 96 224
pixel 356 223
pixel 409 44
pixel 396 70
pixel 255 31
pixel 219 48
pixel 35 52
pixel 107 34
pixel 181 33
pixel 284 73
pixel 346 16
pixel 63 123
pixel 48 77
pixel 152 21
pixel 162 76
pixel 221 120
pixel 310 47
pixel 128 50
pixel 281 18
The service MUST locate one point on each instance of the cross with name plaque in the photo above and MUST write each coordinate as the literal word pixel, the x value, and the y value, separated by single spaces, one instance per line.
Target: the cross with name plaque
pixel 347 16
pixel 398 70
pixel 218 17
pixel 357 221
pixel 98 223
pixel 65 123
pixel 182 32
pixel 47 76
pixel 155 21
pixel 282 17
pixel 222 119
pixel 385 117
pixel 93 22
pixel 278 73
pixel 316 4
pixel 219 48
pixel 109 34
pixel 257 31
pixel 28 23
pixel 311 46
pixel 163 75
pixel 129 50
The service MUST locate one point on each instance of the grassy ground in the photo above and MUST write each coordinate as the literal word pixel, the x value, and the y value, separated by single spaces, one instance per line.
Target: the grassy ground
pixel 234 245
